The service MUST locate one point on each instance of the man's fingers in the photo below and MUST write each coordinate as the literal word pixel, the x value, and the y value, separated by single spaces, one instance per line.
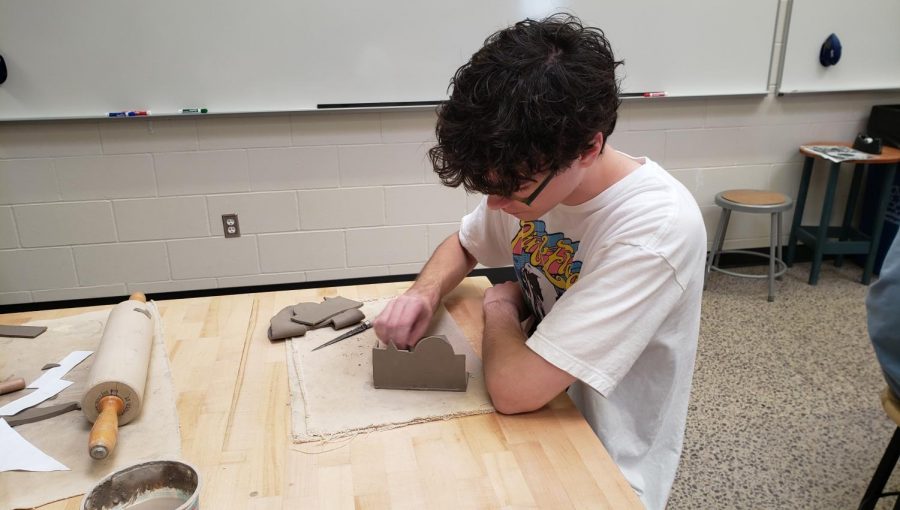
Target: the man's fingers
pixel 402 322
pixel 383 321
pixel 401 328
pixel 393 324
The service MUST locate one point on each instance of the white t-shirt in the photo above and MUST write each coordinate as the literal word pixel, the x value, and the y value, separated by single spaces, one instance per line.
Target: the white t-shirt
pixel 617 281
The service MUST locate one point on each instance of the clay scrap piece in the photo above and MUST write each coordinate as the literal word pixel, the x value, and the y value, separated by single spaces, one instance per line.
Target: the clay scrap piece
pixel 21 331
pixel 34 414
pixel 282 327
pixel 293 321
pixel 316 314
pixel 346 318
pixel 430 365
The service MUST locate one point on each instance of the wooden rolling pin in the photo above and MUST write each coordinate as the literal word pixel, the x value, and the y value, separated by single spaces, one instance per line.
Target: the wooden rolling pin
pixel 115 386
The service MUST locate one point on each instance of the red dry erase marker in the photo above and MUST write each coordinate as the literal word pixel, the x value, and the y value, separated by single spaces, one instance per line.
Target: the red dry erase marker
pixel 138 113
pixel 654 94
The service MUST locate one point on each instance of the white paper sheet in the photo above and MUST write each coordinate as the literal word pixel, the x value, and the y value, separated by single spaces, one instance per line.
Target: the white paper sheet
pixel 65 364
pixel 48 384
pixel 47 390
pixel 17 454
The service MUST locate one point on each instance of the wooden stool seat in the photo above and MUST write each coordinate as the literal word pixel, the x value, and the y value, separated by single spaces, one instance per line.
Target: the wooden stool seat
pixel 891 405
pixel 755 197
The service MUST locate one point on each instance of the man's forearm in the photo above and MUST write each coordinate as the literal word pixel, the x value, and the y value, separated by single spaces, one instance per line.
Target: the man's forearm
pixel 448 265
pixel 502 349
pixel 517 378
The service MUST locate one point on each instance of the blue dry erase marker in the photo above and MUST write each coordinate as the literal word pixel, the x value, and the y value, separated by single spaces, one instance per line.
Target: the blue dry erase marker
pixel 117 114
pixel 194 110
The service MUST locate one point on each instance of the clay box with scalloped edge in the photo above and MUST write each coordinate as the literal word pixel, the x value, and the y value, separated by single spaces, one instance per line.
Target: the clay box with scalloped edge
pixel 430 365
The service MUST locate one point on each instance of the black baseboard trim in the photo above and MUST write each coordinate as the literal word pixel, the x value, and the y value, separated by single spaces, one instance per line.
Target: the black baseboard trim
pixel 495 275
pixel 729 260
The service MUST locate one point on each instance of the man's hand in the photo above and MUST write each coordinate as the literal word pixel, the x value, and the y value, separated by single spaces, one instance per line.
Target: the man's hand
pixel 507 294
pixel 404 320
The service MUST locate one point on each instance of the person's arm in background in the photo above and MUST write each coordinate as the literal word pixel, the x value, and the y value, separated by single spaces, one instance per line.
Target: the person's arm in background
pixel 406 318
pixel 883 310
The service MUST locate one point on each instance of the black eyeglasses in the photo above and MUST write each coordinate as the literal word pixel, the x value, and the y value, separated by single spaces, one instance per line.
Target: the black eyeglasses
pixel 534 194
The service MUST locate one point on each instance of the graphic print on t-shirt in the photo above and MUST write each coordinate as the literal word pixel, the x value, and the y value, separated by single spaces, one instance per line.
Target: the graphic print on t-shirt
pixel 545 265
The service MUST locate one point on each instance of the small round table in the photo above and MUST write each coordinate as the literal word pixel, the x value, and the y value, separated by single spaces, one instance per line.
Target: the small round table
pixel 844 240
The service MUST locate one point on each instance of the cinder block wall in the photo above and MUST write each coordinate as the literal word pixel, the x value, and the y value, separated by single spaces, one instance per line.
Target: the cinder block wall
pixel 111 206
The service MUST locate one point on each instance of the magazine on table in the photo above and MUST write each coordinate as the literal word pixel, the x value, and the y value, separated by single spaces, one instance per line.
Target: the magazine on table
pixel 837 153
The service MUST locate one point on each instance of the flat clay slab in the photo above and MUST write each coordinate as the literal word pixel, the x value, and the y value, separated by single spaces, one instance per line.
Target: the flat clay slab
pixel 34 414
pixel 281 326
pixel 430 365
pixel 21 331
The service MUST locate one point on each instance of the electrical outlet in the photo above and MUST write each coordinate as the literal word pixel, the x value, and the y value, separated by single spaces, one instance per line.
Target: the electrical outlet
pixel 230 225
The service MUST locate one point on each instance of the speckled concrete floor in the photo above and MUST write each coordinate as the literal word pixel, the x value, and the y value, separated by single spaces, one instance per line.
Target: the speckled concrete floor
pixel 785 410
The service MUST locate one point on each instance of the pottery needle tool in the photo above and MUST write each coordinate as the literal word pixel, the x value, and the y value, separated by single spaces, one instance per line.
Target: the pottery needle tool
pixel 353 332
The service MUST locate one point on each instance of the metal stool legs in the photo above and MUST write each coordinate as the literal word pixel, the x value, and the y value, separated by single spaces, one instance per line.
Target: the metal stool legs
pixel 777 267
pixel 773 232
pixel 718 241
pixel 882 473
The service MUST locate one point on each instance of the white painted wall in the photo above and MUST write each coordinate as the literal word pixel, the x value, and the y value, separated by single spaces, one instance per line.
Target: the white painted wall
pixel 100 208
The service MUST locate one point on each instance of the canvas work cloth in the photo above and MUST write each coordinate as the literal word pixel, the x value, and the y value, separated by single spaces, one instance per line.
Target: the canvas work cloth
pixel 154 434
pixel 333 397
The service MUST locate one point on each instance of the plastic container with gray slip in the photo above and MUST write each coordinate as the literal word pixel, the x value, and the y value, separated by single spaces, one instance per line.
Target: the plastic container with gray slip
pixel 154 485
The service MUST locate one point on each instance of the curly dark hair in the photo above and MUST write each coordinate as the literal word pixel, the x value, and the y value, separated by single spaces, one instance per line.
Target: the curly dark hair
pixel 530 101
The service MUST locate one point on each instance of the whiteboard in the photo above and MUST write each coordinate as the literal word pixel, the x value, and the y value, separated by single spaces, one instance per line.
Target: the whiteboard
pixel 869 31
pixel 83 59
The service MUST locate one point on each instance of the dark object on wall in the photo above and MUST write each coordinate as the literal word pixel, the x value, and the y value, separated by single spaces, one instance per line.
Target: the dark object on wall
pixel 2 70
pixel 867 144
pixel 884 122
pixel 830 54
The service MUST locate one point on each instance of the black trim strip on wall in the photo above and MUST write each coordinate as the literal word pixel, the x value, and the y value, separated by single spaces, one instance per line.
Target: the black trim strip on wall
pixel 337 106
pixel 495 275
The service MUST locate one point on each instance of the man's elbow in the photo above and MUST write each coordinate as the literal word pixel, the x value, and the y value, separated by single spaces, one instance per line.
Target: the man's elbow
pixel 504 407
pixel 507 400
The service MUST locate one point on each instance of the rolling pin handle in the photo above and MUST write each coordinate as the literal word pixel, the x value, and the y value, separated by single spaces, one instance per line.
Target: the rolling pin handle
pixel 12 385
pixel 105 431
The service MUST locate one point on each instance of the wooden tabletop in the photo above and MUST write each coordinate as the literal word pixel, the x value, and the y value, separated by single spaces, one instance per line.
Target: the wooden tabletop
pixel 234 405
pixel 888 154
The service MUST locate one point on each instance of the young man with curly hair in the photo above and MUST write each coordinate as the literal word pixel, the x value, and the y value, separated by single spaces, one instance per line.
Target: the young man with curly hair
pixel 609 249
